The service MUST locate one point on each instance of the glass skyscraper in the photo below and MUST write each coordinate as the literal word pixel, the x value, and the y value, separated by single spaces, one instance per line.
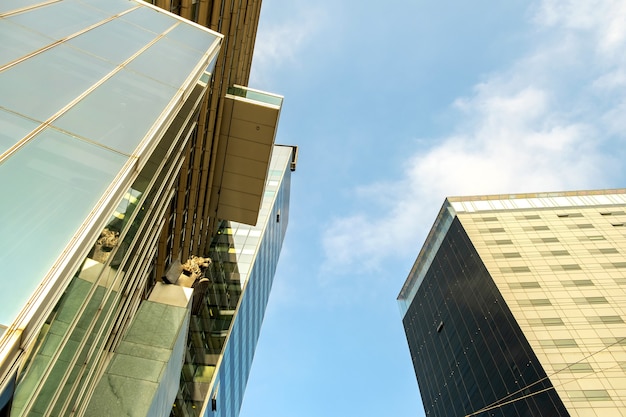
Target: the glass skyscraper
pixel 225 329
pixel 138 175
pixel 515 306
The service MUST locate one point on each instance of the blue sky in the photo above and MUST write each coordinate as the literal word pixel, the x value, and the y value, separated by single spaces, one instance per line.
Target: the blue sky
pixel 395 106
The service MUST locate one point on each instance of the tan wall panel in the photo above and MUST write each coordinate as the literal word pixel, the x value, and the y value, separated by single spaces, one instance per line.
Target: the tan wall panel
pixel 247 149
pixel 242 182
pixel 255 113
pixel 238 214
pixel 240 199
pixel 243 166
pixel 252 131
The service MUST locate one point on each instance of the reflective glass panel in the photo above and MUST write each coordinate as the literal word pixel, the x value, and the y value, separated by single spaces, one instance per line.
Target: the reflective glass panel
pixel 150 19
pixel 10 5
pixel 113 6
pixel 192 37
pixel 59 20
pixel 17 41
pixel 55 77
pixel 119 113
pixel 167 61
pixel 13 128
pixel 48 188
pixel 122 40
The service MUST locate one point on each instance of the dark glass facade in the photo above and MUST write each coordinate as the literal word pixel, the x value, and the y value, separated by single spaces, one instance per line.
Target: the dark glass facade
pixel 468 351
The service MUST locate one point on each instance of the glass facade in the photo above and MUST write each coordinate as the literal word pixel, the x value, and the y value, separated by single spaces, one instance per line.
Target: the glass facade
pixel 111 154
pixel 556 261
pixel 80 114
pixel 467 349
pixel 103 294
pixel 111 151
pixel 100 99
pixel 231 379
pixel 225 328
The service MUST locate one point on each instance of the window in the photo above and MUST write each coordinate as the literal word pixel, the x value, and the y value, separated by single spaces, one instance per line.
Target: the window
pixel 578 283
pixel 581 226
pixel 611 213
pixel 514 269
pixel 499 242
pixel 605 320
pixel 528 217
pixel 589 395
pixel 614 341
pixel 487 219
pixel 566 267
pixel 595 237
pixel 577 367
pixel 563 343
pixel 535 228
pixel 535 302
pixel 614 265
pixel 569 215
pixel 603 251
pixel 546 321
pixel 524 285
pixel 492 230
pixel 555 253
pixel 544 240
pixel 507 255
pixel 590 300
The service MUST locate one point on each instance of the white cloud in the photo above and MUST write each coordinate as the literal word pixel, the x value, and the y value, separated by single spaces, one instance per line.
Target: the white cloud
pixel 280 43
pixel 541 125
pixel 603 20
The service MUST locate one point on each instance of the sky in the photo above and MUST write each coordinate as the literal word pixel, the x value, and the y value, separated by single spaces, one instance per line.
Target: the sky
pixel 394 106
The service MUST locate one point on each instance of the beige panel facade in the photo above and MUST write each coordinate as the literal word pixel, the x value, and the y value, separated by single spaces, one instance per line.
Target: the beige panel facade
pixel 559 263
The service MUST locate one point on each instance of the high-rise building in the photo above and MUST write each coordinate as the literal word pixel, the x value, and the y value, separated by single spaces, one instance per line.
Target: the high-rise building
pixel 225 326
pixel 200 201
pixel 143 207
pixel 516 304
